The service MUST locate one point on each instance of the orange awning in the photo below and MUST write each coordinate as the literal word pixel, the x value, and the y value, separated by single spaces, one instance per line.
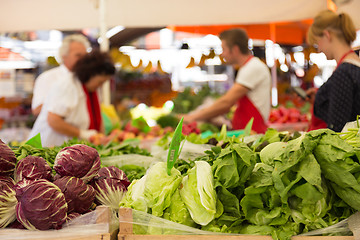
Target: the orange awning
pixel 290 33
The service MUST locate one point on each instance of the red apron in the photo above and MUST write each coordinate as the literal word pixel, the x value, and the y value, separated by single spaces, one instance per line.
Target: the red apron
pixel 244 112
pixel 316 123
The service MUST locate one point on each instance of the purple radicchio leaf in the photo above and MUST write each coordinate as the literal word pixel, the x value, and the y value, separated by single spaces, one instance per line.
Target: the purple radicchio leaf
pixel 7 160
pixel 79 195
pixel 33 167
pixel 79 161
pixel 41 205
pixel 110 185
pixel 7 201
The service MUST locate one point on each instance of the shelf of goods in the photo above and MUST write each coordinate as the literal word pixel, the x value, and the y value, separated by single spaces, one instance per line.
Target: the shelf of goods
pixel 126 233
pixel 91 226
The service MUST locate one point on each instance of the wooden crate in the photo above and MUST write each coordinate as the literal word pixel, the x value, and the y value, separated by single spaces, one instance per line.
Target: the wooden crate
pixel 102 216
pixel 126 233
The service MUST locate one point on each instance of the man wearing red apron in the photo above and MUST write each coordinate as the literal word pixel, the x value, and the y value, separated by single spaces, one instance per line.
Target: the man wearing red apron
pixel 251 90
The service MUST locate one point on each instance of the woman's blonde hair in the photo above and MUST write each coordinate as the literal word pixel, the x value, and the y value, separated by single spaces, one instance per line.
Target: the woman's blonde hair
pixel 340 24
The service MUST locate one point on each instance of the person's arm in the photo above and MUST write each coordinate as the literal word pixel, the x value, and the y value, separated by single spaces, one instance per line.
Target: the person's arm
pixel 102 127
pixel 36 111
pixel 59 125
pixel 40 91
pixel 311 92
pixel 220 106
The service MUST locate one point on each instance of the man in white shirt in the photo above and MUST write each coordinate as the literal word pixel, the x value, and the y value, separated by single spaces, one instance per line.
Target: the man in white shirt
pixel 251 90
pixel 73 47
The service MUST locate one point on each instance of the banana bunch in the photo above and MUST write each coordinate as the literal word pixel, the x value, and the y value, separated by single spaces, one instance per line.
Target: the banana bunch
pixel 148 68
pixel 125 61
pixel 191 63
pixel 203 58
pixel 159 68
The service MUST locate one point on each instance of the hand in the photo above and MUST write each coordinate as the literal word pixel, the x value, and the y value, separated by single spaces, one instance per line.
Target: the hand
pixel 311 92
pixel 87 133
pixel 187 118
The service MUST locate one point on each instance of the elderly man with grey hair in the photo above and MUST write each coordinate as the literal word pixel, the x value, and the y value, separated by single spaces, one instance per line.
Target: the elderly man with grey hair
pixel 72 49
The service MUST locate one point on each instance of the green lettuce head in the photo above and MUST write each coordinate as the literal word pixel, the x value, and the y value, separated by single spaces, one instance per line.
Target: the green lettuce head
pixel 159 187
pixel 134 197
pixel 153 192
pixel 198 193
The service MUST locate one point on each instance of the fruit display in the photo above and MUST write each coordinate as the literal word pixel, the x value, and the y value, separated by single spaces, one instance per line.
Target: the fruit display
pixel 190 128
pixel 129 132
pixel 287 115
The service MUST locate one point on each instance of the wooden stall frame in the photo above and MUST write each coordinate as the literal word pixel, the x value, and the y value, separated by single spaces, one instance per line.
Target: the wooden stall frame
pixel 126 233
pixel 102 217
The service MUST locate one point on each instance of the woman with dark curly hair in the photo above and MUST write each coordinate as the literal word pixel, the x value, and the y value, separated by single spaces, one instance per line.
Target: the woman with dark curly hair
pixel 72 108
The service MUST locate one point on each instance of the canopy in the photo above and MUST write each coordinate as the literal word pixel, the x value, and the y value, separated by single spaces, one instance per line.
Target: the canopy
pixel 25 15
pixel 288 33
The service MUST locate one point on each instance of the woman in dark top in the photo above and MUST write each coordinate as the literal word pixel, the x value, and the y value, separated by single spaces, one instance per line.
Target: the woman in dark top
pixel 338 100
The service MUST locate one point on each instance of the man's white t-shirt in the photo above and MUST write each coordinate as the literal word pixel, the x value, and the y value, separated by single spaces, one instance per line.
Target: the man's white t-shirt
pixel 66 98
pixel 255 75
pixel 45 81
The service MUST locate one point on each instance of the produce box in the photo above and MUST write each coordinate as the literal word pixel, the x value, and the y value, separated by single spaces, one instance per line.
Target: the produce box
pixel 126 228
pixel 91 226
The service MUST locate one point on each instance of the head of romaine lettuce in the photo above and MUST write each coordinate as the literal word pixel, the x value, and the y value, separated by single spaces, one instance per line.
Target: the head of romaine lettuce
pixel 159 187
pixel 198 193
pixel 134 197
pixel 178 212
pixel 153 192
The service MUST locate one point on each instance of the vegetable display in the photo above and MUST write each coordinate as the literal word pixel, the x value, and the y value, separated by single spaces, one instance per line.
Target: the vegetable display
pixel 276 184
pixel 25 150
pixel 38 200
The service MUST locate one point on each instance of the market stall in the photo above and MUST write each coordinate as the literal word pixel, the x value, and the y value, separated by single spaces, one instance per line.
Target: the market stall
pixel 160 178
pixel 232 184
